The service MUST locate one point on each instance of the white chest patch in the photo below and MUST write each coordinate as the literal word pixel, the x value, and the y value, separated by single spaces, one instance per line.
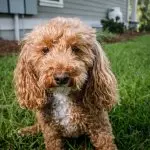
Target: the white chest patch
pixel 61 111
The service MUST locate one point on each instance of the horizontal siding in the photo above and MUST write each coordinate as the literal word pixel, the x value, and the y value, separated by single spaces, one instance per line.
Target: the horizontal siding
pixel 10 34
pixel 87 10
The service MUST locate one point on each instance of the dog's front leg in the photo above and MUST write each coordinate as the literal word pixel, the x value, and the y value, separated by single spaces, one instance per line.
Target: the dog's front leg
pixel 52 136
pixel 103 141
pixel 100 132
pixel 30 130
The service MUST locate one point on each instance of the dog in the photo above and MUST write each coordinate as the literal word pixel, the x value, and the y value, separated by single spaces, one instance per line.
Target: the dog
pixel 64 76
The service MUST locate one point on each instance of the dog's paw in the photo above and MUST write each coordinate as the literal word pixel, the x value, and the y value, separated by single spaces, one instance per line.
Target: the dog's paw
pixel 21 132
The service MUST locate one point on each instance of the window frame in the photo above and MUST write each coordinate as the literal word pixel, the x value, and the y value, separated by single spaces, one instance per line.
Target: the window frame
pixel 51 3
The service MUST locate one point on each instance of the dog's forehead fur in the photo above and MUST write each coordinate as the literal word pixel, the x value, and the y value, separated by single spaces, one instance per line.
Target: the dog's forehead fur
pixel 70 31
pixel 61 34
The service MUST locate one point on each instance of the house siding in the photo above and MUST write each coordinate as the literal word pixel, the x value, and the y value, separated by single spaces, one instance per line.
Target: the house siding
pixel 90 11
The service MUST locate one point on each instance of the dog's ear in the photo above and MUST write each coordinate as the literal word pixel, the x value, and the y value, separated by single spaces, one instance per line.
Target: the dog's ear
pixel 27 90
pixel 101 86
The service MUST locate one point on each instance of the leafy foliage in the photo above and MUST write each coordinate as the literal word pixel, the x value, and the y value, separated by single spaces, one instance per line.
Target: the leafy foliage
pixel 105 36
pixel 113 26
pixel 144 8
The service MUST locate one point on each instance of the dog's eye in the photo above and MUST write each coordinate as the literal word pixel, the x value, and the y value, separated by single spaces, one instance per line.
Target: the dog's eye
pixel 75 49
pixel 45 50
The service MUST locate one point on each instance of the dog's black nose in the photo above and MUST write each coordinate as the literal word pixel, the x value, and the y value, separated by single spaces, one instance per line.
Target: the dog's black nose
pixel 61 79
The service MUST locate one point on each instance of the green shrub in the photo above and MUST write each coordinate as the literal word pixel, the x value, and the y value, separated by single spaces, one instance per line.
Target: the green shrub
pixel 144 8
pixel 112 26
pixel 144 27
pixel 105 36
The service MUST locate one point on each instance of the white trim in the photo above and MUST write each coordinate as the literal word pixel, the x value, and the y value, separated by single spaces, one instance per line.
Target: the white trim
pixel 127 14
pixel 127 9
pixel 51 3
pixel 16 26
pixel 134 11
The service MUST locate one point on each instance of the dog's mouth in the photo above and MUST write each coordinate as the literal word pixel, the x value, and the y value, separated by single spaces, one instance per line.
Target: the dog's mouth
pixel 64 90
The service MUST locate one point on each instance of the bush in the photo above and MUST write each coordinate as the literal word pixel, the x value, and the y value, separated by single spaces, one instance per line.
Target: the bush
pixel 144 27
pixel 112 26
pixel 103 36
pixel 144 8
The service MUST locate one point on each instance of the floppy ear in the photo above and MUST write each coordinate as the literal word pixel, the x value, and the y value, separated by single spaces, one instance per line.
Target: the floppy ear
pixel 27 90
pixel 101 85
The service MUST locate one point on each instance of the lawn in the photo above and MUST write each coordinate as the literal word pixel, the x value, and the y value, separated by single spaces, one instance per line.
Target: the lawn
pixel 130 62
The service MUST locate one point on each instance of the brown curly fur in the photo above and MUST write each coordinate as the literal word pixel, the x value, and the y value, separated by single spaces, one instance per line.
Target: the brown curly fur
pixel 72 48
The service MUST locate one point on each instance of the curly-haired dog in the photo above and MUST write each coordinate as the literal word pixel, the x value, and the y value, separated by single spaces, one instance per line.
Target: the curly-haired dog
pixel 63 74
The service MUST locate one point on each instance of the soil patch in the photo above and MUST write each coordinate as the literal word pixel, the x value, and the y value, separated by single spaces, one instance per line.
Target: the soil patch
pixel 8 47
pixel 123 37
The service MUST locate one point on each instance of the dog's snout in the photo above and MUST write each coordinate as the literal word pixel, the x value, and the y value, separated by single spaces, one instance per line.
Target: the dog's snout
pixel 61 79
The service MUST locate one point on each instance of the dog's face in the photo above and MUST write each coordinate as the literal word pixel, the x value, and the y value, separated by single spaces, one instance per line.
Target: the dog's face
pixel 63 54
pixel 60 55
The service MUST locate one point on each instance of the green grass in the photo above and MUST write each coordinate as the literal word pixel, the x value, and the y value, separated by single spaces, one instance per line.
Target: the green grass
pixel 131 119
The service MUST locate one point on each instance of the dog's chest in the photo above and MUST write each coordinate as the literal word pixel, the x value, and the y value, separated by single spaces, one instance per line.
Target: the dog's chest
pixel 61 109
pixel 62 112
